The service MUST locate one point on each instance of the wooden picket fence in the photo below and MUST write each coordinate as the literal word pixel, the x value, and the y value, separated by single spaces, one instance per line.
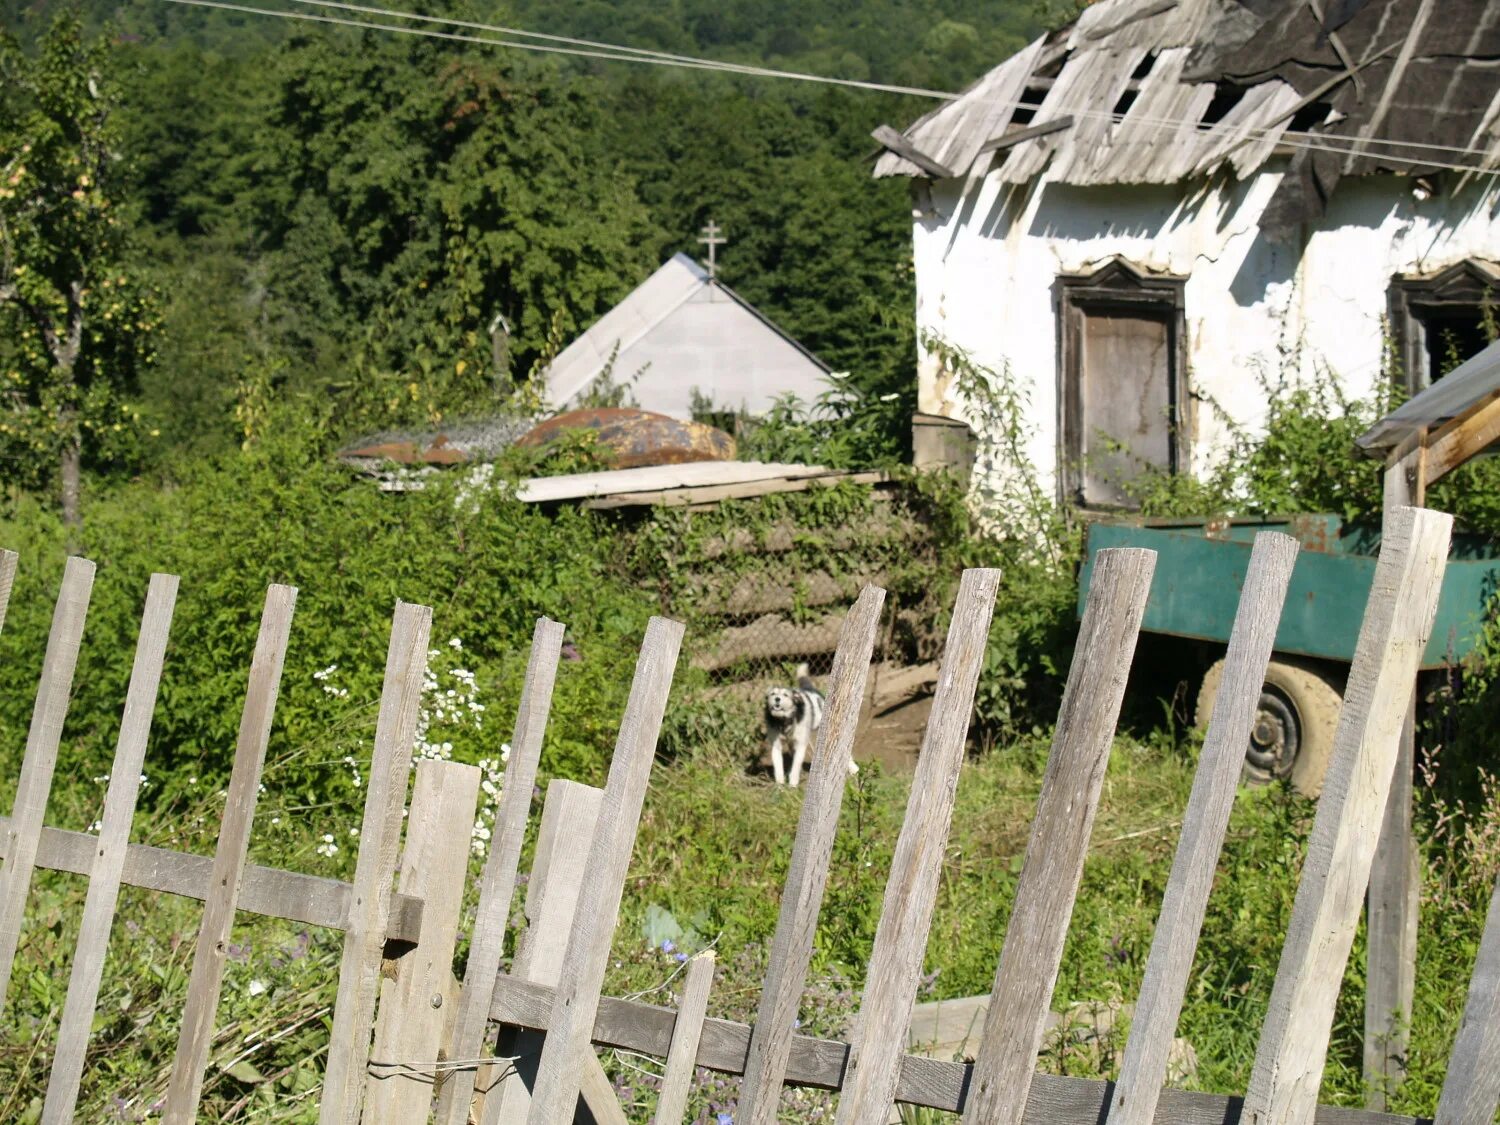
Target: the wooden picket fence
pixel 409 1039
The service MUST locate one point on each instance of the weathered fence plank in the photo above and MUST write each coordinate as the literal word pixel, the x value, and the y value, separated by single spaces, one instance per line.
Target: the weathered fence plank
pixel 1144 1070
pixel 499 881
pixel 1038 927
pixel 567 1043
pixel 434 867
pixel 379 839
pixel 807 874
pixel 114 836
pixel 209 957
pixel 677 1078
pixel 265 890
pixel 1398 618
pixel 879 1035
pixel 1471 1088
pixel 40 760
pixel 8 563
pixel 570 818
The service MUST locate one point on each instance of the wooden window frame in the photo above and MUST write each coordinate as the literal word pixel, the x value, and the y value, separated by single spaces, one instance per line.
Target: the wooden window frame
pixel 1115 287
pixel 1464 285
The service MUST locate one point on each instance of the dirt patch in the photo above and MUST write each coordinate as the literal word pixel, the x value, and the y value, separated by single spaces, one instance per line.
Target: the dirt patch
pixel 894 736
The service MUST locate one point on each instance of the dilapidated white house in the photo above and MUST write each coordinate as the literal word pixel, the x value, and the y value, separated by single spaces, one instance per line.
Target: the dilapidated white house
pixel 1158 212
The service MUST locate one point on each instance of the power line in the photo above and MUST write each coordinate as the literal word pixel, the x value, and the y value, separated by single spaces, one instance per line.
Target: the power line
pixel 612 54
pixel 1312 142
pixel 743 68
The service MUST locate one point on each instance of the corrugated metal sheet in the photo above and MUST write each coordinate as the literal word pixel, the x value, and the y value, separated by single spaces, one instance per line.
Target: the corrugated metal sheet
pixel 1140 78
pixel 1463 388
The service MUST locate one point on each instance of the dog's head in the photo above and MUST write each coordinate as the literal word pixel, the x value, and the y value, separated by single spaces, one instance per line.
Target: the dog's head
pixel 781 704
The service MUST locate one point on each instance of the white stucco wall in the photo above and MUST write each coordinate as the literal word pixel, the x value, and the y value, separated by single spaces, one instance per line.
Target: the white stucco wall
pixel 986 261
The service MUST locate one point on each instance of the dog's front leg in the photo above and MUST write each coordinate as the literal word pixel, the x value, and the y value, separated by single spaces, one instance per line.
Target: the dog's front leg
pixel 799 751
pixel 778 769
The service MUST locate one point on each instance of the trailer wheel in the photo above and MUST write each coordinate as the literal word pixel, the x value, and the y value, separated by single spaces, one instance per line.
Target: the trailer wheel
pixel 1294 724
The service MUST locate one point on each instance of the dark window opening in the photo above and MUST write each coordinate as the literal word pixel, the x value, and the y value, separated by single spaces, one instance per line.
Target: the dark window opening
pixel 1123 384
pixel 1438 322
pixel 1226 97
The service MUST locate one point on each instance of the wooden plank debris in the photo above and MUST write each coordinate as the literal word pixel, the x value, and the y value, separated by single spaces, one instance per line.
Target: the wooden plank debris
pixel 902 147
pixel 1143 1072
pixel 1403 601
pixel 1038 926
pixel 212 951
pixel 114 837
pixel 879 1034
pixel 40 759
pixel 807 874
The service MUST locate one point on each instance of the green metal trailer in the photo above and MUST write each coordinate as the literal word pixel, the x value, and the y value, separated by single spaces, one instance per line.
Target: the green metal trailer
pixel 1200 568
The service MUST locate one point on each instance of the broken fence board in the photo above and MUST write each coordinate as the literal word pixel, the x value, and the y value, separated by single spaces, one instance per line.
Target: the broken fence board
pixel 210 954
pixel 879 1036
pixel 498 883
pixel 687 1030
pixel 114 837
pixel 567 1043
pixel 807 874
pixel 1471 1088
pixel 40 760
pixel 266 890
pixel 1403 601
pixel 1038 926
pixel 434 868
pixel 379 840
pixel 1144 1069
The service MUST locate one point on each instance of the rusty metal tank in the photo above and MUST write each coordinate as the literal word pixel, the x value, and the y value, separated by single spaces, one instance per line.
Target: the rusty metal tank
pixel 636 438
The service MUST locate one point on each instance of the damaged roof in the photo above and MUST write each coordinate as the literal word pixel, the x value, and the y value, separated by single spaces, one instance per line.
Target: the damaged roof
pixel 1157 91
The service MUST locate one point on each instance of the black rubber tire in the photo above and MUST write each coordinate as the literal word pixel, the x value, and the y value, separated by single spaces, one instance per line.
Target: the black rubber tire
pixel 1299 712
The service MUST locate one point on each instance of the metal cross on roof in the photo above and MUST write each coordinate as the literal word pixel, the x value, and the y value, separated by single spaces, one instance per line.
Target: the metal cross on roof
pixel 713 240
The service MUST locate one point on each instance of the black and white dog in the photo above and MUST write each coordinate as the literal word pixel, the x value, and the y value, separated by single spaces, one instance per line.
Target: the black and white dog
pixel 794 715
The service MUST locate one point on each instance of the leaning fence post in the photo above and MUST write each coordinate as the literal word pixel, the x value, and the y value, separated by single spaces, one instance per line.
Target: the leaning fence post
pixel 379 839
pixel 567 1043
pixel 409 1040
pixel 41 757
pixel 687 1030
pixel 1403 601
pixel 109 854
pixel 807 873
pixel 210 954
pixel 1029 960
pixel 879 1036
pixel 1471 1087
pixel 1144 1069
pixel 499 880
pixel 8 561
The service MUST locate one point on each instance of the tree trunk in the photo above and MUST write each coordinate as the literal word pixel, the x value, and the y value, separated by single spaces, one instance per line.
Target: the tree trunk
pixel 68 473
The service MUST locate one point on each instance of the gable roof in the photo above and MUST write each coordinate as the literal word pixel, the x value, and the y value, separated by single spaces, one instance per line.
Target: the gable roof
pixel 1156 91
pixel 682 329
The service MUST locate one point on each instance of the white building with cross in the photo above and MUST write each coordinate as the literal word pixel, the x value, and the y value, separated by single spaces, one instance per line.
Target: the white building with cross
pixel 1159 215
pixel 683 342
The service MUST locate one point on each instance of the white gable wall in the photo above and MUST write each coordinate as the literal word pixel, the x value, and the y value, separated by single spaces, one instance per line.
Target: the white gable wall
pixel 713 343
pixel 987 262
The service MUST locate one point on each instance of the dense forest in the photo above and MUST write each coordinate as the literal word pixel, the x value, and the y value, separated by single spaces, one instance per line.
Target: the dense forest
pixel 301 211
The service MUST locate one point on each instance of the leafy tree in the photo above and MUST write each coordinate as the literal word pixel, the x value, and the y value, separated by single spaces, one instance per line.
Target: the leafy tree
pixel 79 325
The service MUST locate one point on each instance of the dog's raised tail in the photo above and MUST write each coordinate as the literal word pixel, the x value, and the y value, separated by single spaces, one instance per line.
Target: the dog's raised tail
pixel 804 678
